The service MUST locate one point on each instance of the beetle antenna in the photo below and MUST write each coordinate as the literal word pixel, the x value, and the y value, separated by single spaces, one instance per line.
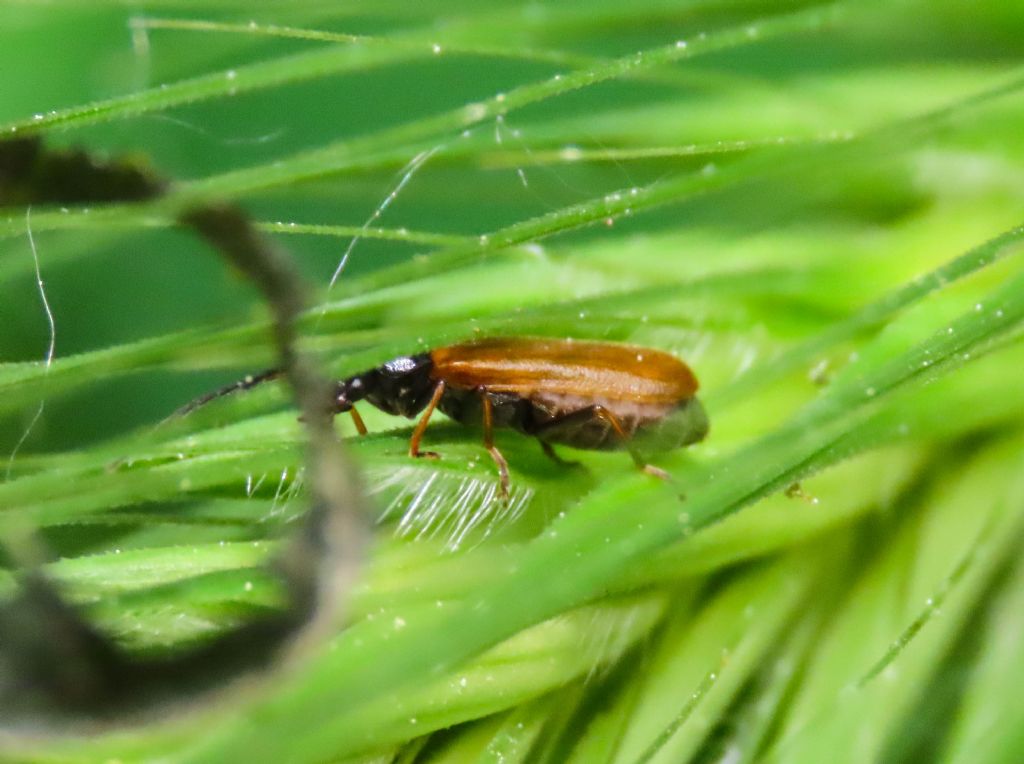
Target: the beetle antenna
pixel 246 383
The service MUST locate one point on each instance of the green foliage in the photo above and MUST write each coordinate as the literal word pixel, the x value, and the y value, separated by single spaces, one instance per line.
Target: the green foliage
pixel 817 206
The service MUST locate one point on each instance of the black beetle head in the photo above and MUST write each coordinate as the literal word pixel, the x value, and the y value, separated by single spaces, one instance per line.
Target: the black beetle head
pixel 401 386
pixel 350 391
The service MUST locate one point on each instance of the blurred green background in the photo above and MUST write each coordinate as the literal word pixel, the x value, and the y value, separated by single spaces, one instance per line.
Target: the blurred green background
pixel 776 192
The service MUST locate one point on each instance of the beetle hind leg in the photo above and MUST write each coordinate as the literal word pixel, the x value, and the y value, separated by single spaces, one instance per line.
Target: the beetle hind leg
pixel 657 472
pixel 576 419
pixel 642 464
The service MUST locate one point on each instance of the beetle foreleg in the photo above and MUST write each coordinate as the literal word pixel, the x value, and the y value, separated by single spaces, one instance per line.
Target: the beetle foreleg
pixel 421 426
pixel 357 421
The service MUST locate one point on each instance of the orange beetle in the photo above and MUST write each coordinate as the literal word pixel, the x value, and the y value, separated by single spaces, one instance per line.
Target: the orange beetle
pixel 589 395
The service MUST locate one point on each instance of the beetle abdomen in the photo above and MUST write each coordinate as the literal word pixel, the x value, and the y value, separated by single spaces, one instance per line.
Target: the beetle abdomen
pixel 609 424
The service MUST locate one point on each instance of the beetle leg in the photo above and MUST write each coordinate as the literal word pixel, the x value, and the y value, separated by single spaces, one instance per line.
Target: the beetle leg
pixel 602 413
pixel 657 472
pixel 551 454
pixel 417 434
pixel 489 443
pixel 357 421
pixel 581 416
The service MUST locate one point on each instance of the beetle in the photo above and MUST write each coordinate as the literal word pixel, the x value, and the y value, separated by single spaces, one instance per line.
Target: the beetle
pixel 583 394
